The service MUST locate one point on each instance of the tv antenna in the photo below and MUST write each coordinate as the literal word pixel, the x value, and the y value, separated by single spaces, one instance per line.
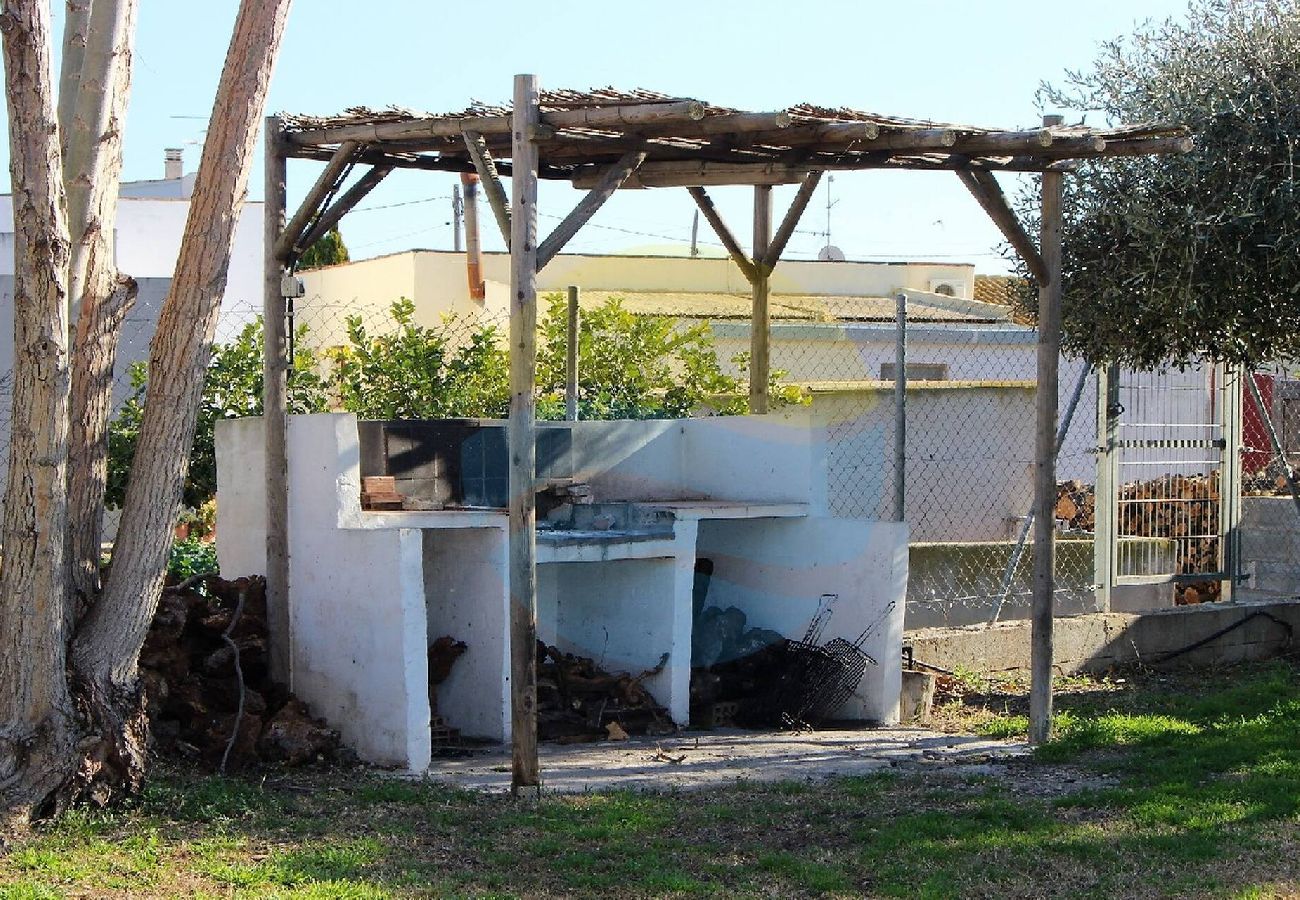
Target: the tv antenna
pixel 830 252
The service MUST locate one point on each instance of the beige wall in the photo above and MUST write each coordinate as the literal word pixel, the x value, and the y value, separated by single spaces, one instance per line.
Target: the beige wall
pixel 436 281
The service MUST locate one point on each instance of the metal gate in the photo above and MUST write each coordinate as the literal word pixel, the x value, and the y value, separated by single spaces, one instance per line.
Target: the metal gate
pixel 1168 472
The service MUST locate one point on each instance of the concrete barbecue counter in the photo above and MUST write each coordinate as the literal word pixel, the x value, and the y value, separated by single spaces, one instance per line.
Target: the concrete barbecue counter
pixel 369 591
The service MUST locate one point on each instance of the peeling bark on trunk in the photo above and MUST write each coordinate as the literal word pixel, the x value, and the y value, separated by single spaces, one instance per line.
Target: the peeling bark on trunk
pixel 109 640
pixel 100 296
pixel 37 743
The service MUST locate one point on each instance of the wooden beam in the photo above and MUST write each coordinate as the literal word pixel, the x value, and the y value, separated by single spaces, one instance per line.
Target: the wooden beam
pixel 916 139
pixel 985 188
pixel 1049 353
pixel 612 117
pixel 491 181
pixel 705 203
pixel 699 174
pixel 275 422
pixel 614 177
pixel 572 337
pixel 726 123
pixel 791 219
pixel 1142 147
pixel 760 327
pixel 522 442
pixel 1026 144
pixel 341 207
pixel 325 182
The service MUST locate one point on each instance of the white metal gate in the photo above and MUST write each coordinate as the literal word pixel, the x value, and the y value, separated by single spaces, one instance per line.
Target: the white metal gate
pixel 1167 481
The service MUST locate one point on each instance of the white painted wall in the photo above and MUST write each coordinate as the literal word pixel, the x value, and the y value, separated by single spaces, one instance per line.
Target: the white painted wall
pixel 369 591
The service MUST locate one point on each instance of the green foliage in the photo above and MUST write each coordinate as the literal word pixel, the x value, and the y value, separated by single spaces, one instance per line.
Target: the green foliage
pixel 191 557
pixel 631 367
pixel 419 372
pixel 1174 256
pixel 233 389
pixel 328 251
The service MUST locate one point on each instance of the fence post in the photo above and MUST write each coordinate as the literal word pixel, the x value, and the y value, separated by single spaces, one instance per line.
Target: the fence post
pixel 1264 416
pixel 571 358
pixel 1105 504
pixel 900 406
pixel 1230 479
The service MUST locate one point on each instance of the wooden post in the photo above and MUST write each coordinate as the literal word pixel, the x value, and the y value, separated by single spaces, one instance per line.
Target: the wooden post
pixel 571 358
pixel 1049 353
pixel 275 421
pixel 520 430
pixel 760 324
pixel 473 255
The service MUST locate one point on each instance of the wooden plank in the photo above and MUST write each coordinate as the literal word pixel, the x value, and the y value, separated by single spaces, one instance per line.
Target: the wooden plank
pixel 985 189
pixel 699 174
pixel 521 438
pixel 571 357
pixel 341 207
pixel 760 327
pixel 275 422
pixel 613 179
pixel 325 183
pixel 791 220
pixel 705 203
pixel 1049 353
pixel 491 180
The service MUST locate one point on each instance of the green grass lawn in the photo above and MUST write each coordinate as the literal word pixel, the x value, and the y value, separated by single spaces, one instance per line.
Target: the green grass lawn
pixel 1155 786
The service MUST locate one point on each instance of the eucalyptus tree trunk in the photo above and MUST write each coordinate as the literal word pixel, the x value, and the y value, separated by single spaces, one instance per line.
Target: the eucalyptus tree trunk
pixel 37 730
pixel 71 719
pixel 108 642
pixel 101 298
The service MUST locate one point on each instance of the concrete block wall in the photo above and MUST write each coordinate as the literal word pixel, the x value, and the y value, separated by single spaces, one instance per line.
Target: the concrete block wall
pixel 1101 641
pixel 1270 548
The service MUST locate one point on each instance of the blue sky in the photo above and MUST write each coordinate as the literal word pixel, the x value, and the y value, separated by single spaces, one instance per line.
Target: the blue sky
pixel 978 63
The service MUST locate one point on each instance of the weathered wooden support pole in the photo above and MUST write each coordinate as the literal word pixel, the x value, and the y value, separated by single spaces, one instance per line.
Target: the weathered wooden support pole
pixel 325 183
pixel 1049 354
pixel 613 179
pixel 275 420
pixel 521 437
pixel 760 329
pixel 985 189
pixel 791 220
pixel 571 358
pixel 341 207
pixel 705 204
pixel 487 173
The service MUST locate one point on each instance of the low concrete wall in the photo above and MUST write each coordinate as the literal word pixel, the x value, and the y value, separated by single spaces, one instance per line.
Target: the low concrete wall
pixel 1100 641
pixel 937 569
pixel 1270 548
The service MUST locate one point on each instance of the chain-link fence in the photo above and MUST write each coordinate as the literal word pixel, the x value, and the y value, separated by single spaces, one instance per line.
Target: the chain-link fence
pixel 1148 537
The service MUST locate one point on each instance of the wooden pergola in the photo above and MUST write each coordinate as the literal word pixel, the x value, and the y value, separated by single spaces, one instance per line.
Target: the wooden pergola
pixel 605 140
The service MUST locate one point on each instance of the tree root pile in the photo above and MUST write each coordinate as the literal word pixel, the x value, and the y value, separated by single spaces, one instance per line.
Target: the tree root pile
pixel 578 701
pixel 204 670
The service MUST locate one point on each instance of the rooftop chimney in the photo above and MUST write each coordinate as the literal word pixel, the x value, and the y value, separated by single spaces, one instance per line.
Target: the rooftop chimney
pixel 173 165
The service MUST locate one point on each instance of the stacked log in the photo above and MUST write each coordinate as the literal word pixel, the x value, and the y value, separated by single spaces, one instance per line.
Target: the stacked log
pixel 192 678
pixel 1181 508
pixel 578 701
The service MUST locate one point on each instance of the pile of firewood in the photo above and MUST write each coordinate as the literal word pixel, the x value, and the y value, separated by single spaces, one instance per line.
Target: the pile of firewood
pixel 578 701
pixel 204 671
pixel 1181 508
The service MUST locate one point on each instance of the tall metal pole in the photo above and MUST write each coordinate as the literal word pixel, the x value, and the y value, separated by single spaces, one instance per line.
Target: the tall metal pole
pixel 571 358
pixel 1049 353
pixel 473 255
pixel 760 325
pixel 275 421
pixel 520 436
pixel 900 406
